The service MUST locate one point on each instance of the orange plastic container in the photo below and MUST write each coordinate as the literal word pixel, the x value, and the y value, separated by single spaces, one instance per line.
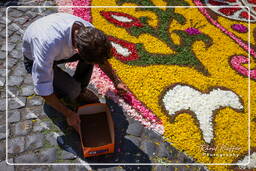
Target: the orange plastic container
pixel 96 129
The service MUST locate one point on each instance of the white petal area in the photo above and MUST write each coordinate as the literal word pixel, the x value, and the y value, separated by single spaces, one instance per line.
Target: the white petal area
pixel 251 165
pixel 183 97
pixel 122 18
pixel 121 50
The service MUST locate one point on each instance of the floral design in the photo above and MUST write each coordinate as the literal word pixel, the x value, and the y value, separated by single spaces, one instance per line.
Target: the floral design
pixel 121 19
pixel 183 55
pixel 240 28
pixel 236 63
pixel 123 50
pixel 214 57
pixel 183 97
pixel 237 9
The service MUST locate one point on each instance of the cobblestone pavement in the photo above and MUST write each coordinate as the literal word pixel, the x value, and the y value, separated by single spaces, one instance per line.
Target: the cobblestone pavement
pixel 37 134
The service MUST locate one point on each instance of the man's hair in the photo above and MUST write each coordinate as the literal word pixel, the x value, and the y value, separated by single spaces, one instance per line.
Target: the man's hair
pixel 93 45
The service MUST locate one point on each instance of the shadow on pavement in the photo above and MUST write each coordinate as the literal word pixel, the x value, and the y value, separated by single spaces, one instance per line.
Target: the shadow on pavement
pixel 7 3
pixel 125 150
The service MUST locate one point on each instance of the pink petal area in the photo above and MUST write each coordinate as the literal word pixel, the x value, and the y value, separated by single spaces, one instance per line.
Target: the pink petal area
pixel 65 3
pixel 236 63
pixel 84 13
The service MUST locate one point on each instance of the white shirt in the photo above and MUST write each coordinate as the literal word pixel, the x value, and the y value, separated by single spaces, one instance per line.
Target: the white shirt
pixel 46 40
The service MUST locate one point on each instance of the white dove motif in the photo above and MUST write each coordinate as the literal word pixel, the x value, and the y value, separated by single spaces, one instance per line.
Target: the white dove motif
pixel 183 97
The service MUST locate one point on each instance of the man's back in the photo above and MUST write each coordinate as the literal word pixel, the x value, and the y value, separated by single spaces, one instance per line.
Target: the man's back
pixel 52 31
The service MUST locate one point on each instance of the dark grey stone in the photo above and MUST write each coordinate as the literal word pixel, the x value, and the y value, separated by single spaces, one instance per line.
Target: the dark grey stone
pixel 67 156
pixel 10 45
pixel 27 158
pixel 163 151
pixel 2 150
pixel 34 141
pixel 31 13
pixel 32 168
pixel 13 116
pixel 14 39
pixel 35 101
pixel 5 167
pixel 31 115
pixel 151 135
pixel 48 155
pixel 23 128
pixel 40 169
pixel 2 132
pixel 13 90
pixel 148 147
pixel 2 20
pixel 21 20
pixel 11 28
pixel 2 54
pixel 52 138
pixel 2 72
pixel 15 80
pixel 135 129
pixel 49 3
pixel 28 80
pixel 18 46
pixel 58 168
pixel 16 145
pixel 165 168
pixel 3 34
pixel 83 168
pixel 27 90
pixel 37 110
pixel 2 104
pixel 16 53
pixel 134 140
pixel 2 118
pixel 19 70
pixel 14 13
pixel 15 103
pixel 23 9
pixel 2 81
pixel 41 126
pixel 11 63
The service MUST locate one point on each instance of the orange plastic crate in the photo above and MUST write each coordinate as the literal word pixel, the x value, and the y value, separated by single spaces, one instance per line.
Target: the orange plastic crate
pixel 96 129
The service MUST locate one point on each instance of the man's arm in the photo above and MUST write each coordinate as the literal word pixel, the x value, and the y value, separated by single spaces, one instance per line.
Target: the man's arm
pixel 54 101
pixel 72 117
pixel 107 69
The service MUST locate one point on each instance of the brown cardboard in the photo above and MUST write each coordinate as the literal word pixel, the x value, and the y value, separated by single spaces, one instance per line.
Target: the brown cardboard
pixel 96 129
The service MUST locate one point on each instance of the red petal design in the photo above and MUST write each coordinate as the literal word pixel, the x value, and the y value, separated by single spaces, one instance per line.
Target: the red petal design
pixel 245 15
pixel 231 0
pixel 109 16
pixel 130 46
pixel 252 1
pixel 229 11
pixel 213 2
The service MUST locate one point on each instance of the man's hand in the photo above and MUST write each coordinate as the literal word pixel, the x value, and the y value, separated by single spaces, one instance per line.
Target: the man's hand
pixel 72 117
pixel 121 89
pixel 73 120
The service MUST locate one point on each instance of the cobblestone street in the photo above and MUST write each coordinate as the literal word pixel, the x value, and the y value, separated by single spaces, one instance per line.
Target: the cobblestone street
pixel 37 134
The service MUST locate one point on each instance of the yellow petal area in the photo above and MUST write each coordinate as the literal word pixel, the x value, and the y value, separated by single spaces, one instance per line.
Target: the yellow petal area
pixel 176 39
pixel 154 45
pixel 149 83
pixel 226 23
